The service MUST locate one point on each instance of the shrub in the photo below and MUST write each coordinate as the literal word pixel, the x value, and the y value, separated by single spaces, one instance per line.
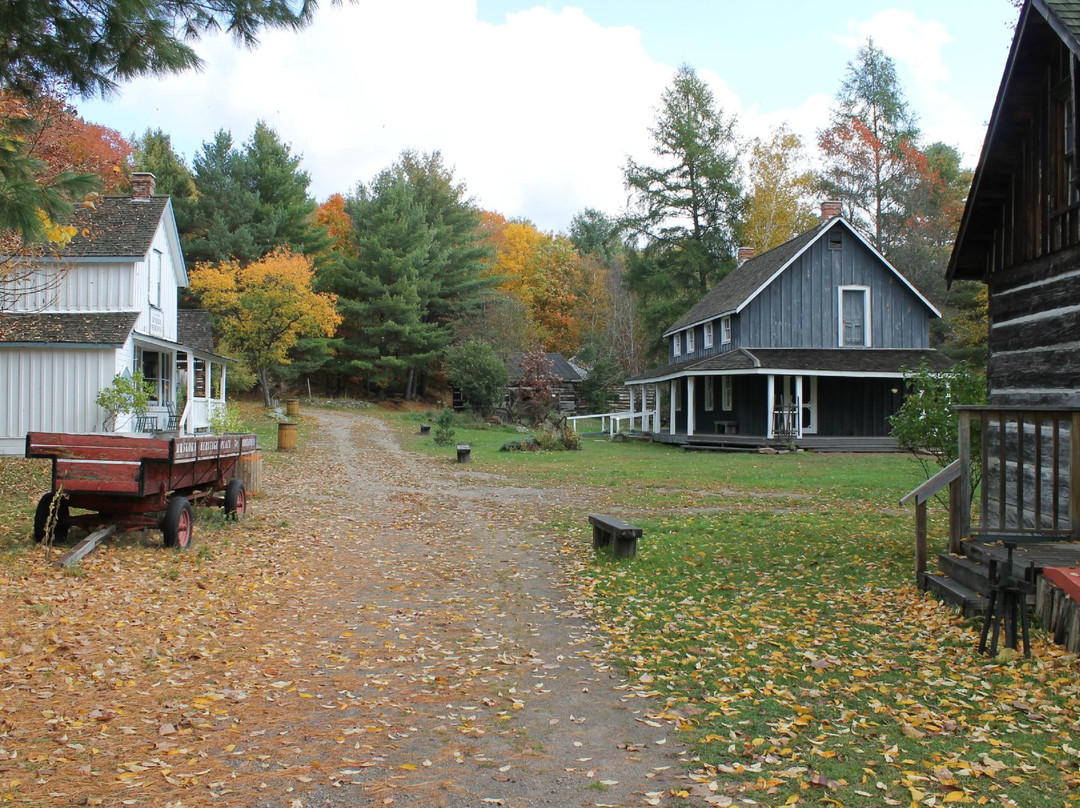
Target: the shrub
pixel 443 433
pixel 227 419
pixel 127 394
pixel 476 370
pixel 520 445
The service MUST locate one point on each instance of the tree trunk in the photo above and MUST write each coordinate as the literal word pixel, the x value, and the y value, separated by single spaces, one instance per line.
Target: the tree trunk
pixel 264 382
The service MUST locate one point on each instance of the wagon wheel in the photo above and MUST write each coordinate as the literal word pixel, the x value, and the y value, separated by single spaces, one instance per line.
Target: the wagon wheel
pixel 41 519
pixel 235 499
pixel 176 526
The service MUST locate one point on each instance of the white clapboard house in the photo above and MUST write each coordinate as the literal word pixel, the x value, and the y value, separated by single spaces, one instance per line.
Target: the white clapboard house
pixel 105 306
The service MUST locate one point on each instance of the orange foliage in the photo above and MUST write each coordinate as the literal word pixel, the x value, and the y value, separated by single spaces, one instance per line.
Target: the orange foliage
pixel 331 215
pixel 66 142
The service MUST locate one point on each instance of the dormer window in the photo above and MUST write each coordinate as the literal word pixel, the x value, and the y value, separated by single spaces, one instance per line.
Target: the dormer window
pixel 708 335
pixel 725 330
pixel 676 344
pixel 690 341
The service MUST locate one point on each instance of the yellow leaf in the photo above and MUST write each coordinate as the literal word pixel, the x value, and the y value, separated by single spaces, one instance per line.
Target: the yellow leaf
pixel 409 767
pixel 953 796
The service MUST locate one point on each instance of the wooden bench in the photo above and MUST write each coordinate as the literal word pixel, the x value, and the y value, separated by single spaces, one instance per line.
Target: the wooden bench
pixel 607 530
pixel 726 427
pixel 464 452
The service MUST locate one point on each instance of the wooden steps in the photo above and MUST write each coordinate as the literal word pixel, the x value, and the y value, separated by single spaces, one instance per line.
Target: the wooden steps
pixel 948 590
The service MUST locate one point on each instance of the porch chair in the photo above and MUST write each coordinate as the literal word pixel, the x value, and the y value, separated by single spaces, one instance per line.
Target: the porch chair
pixel 146 423
pixel 172 422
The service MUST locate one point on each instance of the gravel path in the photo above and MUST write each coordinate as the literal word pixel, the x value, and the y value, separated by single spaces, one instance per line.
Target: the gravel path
pixel 453 669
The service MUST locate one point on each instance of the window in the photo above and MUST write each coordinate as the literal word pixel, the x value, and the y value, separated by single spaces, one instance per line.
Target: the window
pixel 854 316
pixel 676 344
pixel 725 330
pixel 155 279
pixel 690 341
pixel 710 392
pixel 708 340
pixel 836 239
pixel 725 393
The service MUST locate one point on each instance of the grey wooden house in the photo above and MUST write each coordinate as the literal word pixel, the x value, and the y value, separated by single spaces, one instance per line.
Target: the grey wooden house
pixel 805 344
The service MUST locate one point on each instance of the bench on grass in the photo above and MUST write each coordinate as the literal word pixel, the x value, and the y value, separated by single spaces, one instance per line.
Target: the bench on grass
pixel 608 530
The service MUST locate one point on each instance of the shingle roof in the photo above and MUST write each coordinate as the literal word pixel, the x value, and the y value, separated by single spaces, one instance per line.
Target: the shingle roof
pixel 111 328
pixel 118 226
pixel 742 282
pixel 808 360
pixel 559 366
pixel 194 328
pixel 1067 13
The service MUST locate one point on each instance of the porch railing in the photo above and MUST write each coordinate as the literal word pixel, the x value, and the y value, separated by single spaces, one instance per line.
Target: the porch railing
pixel 948 476
pixel 1029 460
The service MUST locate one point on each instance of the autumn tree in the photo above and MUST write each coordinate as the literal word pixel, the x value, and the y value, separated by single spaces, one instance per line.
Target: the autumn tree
pixel 264 307
pixel 870 147
pixel 779 206
pixel 685 209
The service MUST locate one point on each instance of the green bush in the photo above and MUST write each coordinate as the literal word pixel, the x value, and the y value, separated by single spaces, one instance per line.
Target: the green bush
pixel 476 370
pixel 443 433
pixel 520 445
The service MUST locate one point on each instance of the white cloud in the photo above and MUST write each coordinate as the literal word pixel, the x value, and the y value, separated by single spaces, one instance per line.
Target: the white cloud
pixel 537 114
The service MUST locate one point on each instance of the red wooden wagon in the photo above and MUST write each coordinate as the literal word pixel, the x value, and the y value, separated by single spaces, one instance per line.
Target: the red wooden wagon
pixel 136 482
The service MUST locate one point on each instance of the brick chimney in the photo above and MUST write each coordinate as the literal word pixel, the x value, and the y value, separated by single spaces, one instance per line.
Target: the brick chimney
pixel 142 186
pixel 830 210
pixel 745 254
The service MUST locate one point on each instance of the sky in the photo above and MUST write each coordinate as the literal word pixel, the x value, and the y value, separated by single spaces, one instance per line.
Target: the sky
pixel 537 106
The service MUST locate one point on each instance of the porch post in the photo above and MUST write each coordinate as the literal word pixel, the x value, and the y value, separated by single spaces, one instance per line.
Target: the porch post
pixel 671 407
pixel 631 389
pixel 770 404
pixel 798 406
pixel 656 407
pixel 689 406
pixel 189 405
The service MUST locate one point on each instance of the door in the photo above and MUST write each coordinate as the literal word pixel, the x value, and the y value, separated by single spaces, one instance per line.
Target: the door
pixel 853 325
pixel 808 405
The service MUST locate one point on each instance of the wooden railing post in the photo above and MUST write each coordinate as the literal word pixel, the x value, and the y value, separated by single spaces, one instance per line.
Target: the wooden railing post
pixel 963 510
pixel 920 539
pixel 1074 476
pixel 955 533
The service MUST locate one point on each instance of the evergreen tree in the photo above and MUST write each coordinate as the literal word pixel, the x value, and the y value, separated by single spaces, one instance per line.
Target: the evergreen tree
pixel 154 153
pixel 686 209
pixel 88 45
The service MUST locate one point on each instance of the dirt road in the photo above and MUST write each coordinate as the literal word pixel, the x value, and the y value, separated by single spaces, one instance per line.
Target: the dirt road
pixel 453 668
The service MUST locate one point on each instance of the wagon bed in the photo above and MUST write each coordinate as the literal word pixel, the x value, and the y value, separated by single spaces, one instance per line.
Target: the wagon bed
pixel 138 482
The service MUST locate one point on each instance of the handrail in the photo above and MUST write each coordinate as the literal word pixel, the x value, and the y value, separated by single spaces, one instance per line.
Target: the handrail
pixel 934 484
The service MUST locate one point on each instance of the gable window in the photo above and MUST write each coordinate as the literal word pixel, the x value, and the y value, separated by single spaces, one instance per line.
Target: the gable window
pixel 854 326
pixel 707 335
pixel 710 393
pixel 725 330
pixel 725 393
pixel 836 239
pixel 690 341
pixel 676 344
pixel 155 279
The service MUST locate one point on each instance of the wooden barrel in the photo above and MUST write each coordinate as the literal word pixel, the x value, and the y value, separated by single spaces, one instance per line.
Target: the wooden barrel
pixel 292 407
pixel 286 437
pixel 249 471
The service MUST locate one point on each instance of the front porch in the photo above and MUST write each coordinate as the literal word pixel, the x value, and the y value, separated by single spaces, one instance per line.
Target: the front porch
pixel 1028 501
pixel 727 411
pixel 187 387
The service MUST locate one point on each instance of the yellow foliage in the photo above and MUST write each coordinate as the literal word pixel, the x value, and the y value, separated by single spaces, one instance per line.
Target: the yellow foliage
pixel 266 306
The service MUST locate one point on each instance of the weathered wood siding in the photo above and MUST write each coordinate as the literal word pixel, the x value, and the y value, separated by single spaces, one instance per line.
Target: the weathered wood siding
pixel 78 287
pixel 801 308
pixel 51 390
pixel 1035 332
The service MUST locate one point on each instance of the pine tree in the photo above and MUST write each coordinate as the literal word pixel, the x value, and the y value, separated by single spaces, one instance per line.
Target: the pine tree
pixel 154 153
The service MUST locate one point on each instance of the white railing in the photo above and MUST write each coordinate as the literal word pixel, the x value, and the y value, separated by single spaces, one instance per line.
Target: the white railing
pixel 611 422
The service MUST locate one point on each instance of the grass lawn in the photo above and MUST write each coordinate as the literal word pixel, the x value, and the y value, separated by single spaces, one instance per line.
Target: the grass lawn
pixel 772 606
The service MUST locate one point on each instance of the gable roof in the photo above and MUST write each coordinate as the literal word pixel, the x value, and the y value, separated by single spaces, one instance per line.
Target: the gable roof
pixel 100 329
pixel 1040 22
pixel 734 292
pixel 194 328
pixel 562 369
pixel 117 227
